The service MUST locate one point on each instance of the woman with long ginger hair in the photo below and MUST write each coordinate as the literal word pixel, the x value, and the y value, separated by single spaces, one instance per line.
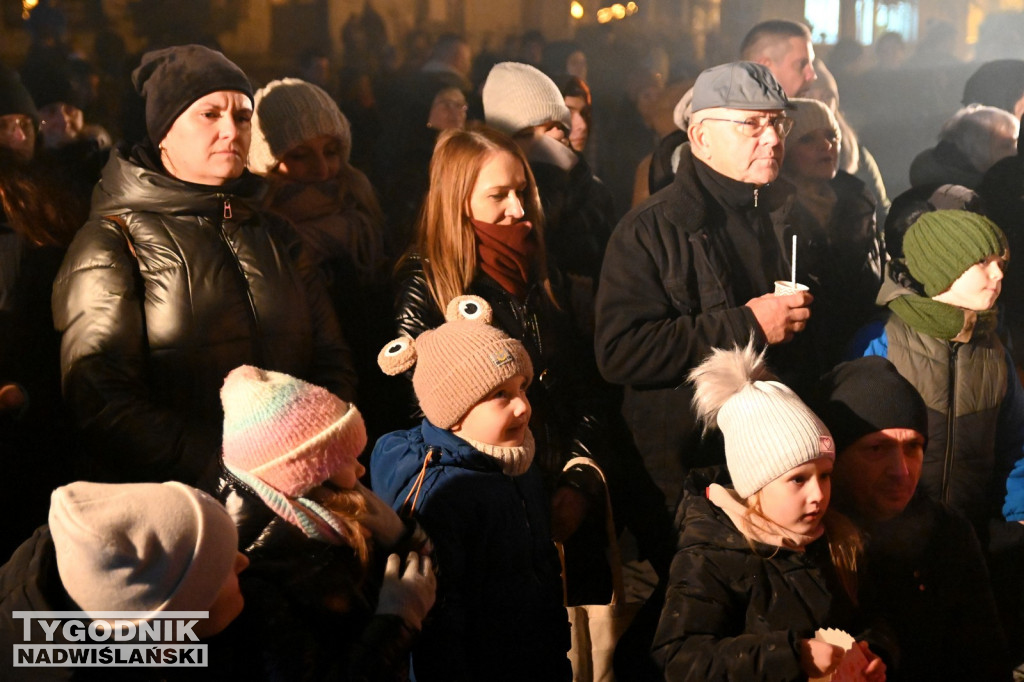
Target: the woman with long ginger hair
pixel 481 232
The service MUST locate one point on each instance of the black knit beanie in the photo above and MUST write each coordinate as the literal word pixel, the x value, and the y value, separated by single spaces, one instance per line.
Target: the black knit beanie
pixel 14 98
pixel 173 78
pixel 867 395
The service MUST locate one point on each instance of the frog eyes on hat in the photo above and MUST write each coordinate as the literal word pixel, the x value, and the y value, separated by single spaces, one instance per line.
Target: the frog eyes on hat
pixel 397 356
pixel 468 307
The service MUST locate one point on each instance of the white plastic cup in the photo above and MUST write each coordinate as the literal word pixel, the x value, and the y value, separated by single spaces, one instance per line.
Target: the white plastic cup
pixel 783 287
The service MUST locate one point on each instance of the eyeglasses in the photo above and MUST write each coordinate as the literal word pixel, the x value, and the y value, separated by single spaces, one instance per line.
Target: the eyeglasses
pixel 756 125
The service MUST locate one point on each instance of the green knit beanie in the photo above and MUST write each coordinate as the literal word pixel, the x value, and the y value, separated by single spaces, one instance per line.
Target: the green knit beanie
pixel 941 245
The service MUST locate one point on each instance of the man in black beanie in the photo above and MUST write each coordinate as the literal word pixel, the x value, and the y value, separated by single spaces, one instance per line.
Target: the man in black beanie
pixel 923 572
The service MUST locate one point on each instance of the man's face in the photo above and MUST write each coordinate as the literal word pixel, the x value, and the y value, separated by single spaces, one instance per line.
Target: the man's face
pixel 795 68
pixel 728 148
pixel 877 474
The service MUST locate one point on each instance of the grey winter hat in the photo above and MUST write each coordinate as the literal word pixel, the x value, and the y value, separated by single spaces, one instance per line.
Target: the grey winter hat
pixel 739 85
pixel 518 96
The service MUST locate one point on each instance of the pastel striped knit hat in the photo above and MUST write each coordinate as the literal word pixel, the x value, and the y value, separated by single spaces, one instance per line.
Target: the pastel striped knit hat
pixel 458 363
pixel 286 432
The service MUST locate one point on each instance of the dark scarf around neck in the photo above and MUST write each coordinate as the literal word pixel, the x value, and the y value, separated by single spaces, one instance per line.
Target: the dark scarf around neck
pixel 505 253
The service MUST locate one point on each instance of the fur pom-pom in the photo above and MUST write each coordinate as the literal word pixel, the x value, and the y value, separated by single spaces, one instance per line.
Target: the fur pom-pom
pixel 722 375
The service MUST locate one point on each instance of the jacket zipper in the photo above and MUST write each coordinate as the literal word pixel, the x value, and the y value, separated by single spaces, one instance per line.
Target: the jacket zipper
pixel 254 318
pixel 947 467
pixel 755 196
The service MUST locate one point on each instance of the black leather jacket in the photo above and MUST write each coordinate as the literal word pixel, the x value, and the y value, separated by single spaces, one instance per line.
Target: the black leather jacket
pixel 322 584
pixel 154 316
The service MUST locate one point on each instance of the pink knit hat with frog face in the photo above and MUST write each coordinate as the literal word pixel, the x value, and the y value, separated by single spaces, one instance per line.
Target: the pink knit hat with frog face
pixel 290 434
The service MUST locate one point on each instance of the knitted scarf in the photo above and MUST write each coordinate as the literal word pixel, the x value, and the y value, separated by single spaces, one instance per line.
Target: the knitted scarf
pixel 514 460
pixel 315 520
pixel 939 320
pixel 505 252
pixel 755 527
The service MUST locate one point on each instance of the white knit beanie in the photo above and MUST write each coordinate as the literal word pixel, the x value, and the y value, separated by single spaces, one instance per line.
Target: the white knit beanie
pixel 767 429
pixel 288 112
pixel 518 96
pixel 141 546
pixel 810 115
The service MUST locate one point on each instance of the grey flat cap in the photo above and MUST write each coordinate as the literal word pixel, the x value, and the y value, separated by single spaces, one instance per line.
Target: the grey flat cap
pixel 739 85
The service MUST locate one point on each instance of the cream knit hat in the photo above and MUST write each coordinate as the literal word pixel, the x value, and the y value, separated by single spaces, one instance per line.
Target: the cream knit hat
pixel 287 113
pixel 767 429
pixel 518 96
pixel 458 363
pixel 141 546
pixel 811 114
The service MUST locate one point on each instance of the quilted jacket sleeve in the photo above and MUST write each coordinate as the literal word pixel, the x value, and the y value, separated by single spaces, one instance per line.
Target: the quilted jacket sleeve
pixel 97 305
pixel 693 640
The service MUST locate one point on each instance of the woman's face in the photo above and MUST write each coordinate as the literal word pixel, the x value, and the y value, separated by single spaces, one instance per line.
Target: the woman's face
pixel 448 110
pixel 814 155
pixel 580 130
pixel 209 142
pixel 314 160
pixel 498 194
pixel 18 133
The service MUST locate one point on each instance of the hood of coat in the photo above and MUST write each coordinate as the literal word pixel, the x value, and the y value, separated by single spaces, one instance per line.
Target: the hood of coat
pixel 131 184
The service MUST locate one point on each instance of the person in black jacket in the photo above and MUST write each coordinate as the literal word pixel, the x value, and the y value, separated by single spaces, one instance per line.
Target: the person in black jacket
pixel 924 570
pixel 329 548
pixel 752 581
pixel 839 212
pixel 141 547
pixel 179 276
pixel 693 268
pixel 522 102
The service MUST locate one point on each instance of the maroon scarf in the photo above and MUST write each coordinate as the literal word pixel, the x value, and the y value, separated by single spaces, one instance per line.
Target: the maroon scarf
pixel 505 252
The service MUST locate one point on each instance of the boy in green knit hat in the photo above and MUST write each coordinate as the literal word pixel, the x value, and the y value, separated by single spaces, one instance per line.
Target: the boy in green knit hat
pixel 940 333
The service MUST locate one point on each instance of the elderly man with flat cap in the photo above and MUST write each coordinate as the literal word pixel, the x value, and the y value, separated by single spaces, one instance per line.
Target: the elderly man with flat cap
pixel 693 267
pixel 923 573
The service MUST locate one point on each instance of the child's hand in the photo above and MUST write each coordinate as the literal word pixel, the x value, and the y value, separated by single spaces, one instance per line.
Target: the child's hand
pixel 875 672
pixel 380 521
pixel 410 595
pixel 819 659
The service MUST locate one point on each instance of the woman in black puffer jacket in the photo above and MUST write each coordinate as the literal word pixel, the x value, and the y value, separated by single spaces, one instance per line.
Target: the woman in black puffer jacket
pixel 179 276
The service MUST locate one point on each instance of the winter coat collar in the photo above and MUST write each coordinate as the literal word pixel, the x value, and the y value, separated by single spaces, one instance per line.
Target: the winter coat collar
pixel 130 182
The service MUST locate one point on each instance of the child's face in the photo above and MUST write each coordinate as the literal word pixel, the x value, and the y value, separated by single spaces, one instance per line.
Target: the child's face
pixel 228 603
pixel 797 500
pixel 978 287
pixel 348 473
pixel 500 418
